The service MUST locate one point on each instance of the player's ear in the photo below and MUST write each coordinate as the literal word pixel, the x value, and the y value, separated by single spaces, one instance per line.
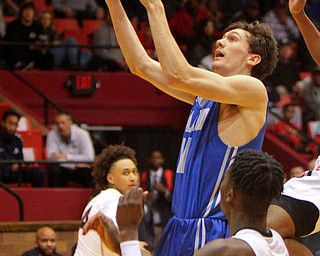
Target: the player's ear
pixel 230 195
pixel 254 59
pixel 110 179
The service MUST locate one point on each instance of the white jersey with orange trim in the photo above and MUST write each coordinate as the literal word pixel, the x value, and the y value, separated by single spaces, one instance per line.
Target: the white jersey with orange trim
pixel 90 244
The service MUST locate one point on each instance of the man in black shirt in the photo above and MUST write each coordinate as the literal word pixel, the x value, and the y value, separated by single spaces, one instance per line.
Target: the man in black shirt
pixel 25 29
pixel 45 243
pixel 10 149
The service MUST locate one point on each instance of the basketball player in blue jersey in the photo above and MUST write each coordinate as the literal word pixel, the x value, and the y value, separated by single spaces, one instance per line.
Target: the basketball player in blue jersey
pixel 228 115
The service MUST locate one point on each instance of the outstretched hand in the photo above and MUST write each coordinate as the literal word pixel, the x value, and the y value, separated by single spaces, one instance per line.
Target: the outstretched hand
pixel 297 6
pixel 148 3
pixel 107 230
pixel 130 212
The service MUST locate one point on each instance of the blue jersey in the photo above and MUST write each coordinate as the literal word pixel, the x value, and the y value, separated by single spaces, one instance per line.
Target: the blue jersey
pixel 202 162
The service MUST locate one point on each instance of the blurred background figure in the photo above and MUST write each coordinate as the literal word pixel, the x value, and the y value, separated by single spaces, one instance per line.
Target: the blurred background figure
pixel 202 41
pixel 310 98
pixel 25 29
pixel 78 9
pixel 62 56
pixel 11 149
pixel 159 182
pixel 184 21
pixel 107 55
pixel 45 243
pixel 289 131
pixel 68 142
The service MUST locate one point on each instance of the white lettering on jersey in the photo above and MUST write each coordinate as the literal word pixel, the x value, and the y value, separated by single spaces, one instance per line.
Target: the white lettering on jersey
pixel 196 126
pixel 183 154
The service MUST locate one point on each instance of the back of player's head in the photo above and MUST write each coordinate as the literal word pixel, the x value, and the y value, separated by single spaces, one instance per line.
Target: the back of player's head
pixel 261 42
pixel 105 160
pixel 258 177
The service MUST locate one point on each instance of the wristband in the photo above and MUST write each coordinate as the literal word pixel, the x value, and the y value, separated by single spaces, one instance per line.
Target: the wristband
pixel 130 248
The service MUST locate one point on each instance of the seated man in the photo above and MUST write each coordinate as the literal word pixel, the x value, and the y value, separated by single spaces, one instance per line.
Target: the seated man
pixel 84 9
pixel 11 149
pixel 67 142
pixel 249 185
pixel 45 243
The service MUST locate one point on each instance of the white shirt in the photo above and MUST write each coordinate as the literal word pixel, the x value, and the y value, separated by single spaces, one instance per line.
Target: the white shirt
pixel 106 202
pixel 263 245
pixel 80 147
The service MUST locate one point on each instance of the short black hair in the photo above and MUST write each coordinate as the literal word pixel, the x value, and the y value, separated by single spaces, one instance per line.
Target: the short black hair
pixel 10 112
pixel 258 177
pixel 25 5
pixel 104 161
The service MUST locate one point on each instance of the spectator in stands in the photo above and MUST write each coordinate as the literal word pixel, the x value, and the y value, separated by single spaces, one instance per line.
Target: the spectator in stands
pixel 78 9
pixel 311 100
pixel 25 29
pixel 202 41
pixel 11 149
pixel 68 142
pixel 115 172
pixel 206 61
pixel 286 74
pixel 108 56
pixel 184 21
pixel 215 13
pixel 283 26
pixel 62 56
pixel 45 243
pixel 159 181
pixel 251 13
pixel 288 130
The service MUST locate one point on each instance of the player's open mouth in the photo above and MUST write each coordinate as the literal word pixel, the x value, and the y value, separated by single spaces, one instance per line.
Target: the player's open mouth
pixel 219 54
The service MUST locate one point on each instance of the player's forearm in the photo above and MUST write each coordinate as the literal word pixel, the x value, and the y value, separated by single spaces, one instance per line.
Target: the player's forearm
pixel 172 60
pixel 310 34
pixel 134 53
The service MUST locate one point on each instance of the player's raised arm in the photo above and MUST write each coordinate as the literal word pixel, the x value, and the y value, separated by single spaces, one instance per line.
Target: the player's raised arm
pixel 135 55
pixel 308 30
pixel 232 58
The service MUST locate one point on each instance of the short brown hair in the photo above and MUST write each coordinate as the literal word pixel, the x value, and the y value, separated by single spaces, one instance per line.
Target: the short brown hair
pixel 261 42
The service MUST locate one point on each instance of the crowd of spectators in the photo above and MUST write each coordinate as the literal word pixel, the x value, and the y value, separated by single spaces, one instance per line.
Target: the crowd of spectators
pixel 195 24
pixel 186 20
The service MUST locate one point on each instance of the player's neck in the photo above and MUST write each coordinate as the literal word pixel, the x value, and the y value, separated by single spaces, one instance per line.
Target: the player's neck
pixel 241 220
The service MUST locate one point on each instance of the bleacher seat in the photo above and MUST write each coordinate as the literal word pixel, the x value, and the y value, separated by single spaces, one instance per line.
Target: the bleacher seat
pixel 91 26
pixel 79 35
pixel 8 19
pixel 66 24
pixel 33 139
